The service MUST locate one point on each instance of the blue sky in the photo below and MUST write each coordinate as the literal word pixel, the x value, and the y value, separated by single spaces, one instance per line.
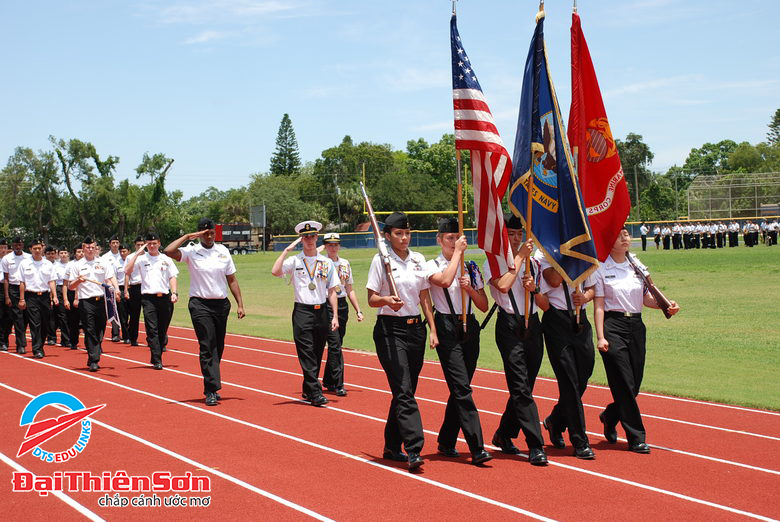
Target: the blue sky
pixel 207 82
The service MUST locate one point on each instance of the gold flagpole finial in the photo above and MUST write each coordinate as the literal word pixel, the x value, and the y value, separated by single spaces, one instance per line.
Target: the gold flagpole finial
pixel 540 14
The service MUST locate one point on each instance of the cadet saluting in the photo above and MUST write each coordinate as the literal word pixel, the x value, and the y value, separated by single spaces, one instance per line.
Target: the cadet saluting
pixel 314 281
pixel 620 295
pixel 399 336
pixel 86 277
pixel 211 272
pixel 458 352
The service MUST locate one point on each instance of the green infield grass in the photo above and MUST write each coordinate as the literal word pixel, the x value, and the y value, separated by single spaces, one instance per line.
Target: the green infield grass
pixel 723 346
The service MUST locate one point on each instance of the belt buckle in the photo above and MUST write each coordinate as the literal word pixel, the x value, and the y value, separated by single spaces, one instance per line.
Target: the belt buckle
pixel 411 321
pixel 159 294
pixel 39 293
pixel 97 298
pixel 317 307
pixel 627 314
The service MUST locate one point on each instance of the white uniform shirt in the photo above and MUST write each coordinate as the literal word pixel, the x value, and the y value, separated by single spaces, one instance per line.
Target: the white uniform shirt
pixel 713 228
pixel 677 229
pixel 721 228
pixel 10 265
pixel 61 271
pixel 774 226
pixel 644 230
pixel 156 273
pixel 555 295
pixel 440 264
pixel 98 270
pixel 209 268
pixel 410 277
pixel 119 265
pixel 36 274
pixel 344 274
pixel 305 270
pixel 666 231
pixel 619 285
pixel 502 299
pixel 699 229
pixel 657 231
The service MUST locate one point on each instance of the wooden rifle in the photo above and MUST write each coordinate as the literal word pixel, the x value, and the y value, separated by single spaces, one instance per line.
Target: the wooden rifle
pixel 660 299
pixel 380 243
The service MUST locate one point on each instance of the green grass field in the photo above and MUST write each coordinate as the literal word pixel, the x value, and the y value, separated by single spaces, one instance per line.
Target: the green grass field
pixel 724 345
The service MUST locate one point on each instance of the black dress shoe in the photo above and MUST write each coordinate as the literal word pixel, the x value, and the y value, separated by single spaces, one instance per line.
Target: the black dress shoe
pixel 556 437
pixel 125 341
pixel 165 348
pixel 74 347
pixel 211 399
pixel 584 453
pixel 115 339
pixel 21 350
pixel 448 451
pixel 158 366
pixel 218 396
pixel 415 460
pixel 639 447
pixel 341 392
pixel 610 433
pixel 304 396
pixel 537 457
pixel 3 347
pixel 51 342
pixel 93 367
pixel 38 355
pixel 505 444
pixel 319 401
pixel 398 456
pixel 133 343
pixel 480 457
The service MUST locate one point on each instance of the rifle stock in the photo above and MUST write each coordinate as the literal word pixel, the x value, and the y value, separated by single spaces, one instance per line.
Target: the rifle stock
pixel 660 299
pixel 380 244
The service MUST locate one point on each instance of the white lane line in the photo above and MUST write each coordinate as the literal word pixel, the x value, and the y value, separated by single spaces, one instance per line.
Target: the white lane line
pixel 498 372
pixel 400 472
pixel 504 392
pixel 59 494
pixel 348 412
pixel 486 412
pixel 187 460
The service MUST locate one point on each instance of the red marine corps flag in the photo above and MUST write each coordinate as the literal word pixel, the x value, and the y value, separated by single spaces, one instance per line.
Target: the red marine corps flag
pixel 598 163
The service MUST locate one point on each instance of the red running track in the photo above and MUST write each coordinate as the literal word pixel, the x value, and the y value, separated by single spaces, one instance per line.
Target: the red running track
pixel 271 455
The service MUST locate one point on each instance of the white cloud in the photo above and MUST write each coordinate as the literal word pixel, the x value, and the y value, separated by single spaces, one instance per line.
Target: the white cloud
pixel 206 36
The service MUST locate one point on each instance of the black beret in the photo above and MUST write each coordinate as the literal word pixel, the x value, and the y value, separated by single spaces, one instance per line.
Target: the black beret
pixel 17 239
pixel 513 221
pixel 3 241
pixel 206 224
pixel 397 220
pixel 36 241
pixel 448 225
pixel 88 240
pixel 114 238
pixel 138 239
pixel 152 236
pixel 50 248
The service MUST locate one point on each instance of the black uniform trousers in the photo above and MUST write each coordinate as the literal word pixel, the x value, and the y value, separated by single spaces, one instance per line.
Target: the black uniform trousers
pixel 209 319
pixel 458 356
pixel 666 240
pixel 5 319
pixel 121 308
pixel 644 242
pixel 133 312
pixel 38 311
pixel 310 332
pixel 333 377
pixel 572 358
pixel 51 330
pixel 60 320
pixel 92 312
pixel 157 317
pixel 772 237
pixel 400 347
pixel 522 360
pixel 624 363
pixel 74 320
pixel 18 317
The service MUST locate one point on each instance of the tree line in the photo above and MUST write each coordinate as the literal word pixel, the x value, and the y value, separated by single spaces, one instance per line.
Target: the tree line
pixel 70 190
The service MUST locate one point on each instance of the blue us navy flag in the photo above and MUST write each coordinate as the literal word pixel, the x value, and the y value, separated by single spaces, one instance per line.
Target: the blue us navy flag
pixel 558 218
pixel 112 315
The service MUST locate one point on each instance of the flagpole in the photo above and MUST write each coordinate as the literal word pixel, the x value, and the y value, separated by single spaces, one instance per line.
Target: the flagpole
pixel 460 233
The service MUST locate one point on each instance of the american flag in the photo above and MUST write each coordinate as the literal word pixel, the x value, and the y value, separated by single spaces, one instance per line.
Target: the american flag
pixel 491 165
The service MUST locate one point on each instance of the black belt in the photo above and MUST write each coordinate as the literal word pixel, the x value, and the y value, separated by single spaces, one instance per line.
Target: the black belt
pixel 453 315
pixel 614 313
pixel 407 319
pixel 158 294
pixel 33 292
pixel 309 306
